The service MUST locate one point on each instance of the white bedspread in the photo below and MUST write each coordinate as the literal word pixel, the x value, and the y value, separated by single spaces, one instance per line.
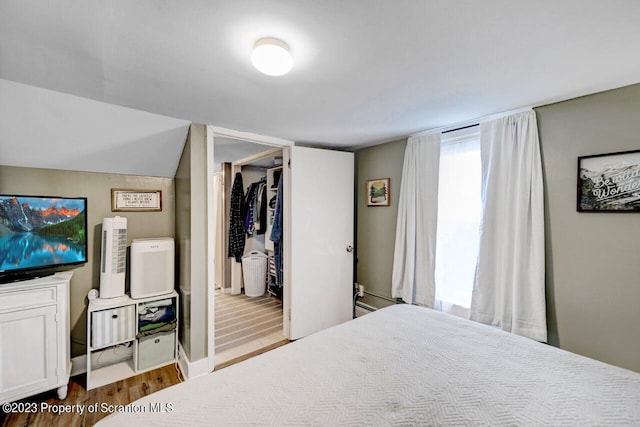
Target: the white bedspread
pixel 403 365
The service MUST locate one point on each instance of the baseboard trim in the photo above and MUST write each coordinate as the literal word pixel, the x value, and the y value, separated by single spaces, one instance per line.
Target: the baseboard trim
pixel 79 365
pixel 191 370
pixel 362 309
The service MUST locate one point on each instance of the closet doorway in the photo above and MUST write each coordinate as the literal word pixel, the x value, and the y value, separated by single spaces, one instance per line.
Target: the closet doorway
pixel 248 290
pixel 317 236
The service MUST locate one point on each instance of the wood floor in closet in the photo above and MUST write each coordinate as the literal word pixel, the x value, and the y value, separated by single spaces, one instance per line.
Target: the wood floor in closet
pixel 244 325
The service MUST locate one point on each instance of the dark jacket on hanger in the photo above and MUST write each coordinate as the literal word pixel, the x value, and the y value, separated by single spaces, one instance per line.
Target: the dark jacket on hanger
pixel 263 210
pixel 255 208
pixel 248 208
pixel 236 220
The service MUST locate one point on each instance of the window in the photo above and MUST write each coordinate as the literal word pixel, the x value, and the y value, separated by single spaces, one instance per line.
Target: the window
pixel 459 210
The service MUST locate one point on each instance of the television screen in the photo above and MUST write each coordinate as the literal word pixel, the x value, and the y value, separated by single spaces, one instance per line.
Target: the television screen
pixel 41 233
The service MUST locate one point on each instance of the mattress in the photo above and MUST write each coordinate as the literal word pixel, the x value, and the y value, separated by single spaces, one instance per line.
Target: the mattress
pixel 402 365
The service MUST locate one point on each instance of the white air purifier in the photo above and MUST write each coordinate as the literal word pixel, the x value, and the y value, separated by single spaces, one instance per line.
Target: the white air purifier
pixel 113 257
pixel 152 267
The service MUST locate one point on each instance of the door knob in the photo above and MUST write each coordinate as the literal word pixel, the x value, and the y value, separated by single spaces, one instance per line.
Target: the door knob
pixel 349 248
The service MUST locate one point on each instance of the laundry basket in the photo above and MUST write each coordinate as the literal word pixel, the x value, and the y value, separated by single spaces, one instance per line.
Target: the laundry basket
pixel 254 271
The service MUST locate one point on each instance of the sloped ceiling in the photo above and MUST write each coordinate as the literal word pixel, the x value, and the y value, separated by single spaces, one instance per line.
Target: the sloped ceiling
pixel 365 71
pixel 45 129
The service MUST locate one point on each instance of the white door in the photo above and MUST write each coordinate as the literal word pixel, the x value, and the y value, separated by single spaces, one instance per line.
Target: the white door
pixel 319 248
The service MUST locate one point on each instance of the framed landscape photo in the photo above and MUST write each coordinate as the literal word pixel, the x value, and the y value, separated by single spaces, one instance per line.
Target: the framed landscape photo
pixel 609 182
pixel 378 192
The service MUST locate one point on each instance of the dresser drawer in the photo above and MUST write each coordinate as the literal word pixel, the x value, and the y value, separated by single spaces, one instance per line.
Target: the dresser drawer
pixel 156 349
pixel 27 298
pixel 113 326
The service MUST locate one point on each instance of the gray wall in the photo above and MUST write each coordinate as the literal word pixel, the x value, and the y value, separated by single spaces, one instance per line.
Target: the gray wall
pixel 191 238
pixel 376 226
pixel 96 187
pixel 593 259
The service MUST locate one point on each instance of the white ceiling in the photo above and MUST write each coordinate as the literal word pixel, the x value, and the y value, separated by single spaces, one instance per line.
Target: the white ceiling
pixel 46 129
pixel 228 150
pixel 365 71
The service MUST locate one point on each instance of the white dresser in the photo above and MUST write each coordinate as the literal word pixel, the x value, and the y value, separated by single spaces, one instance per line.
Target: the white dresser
pixel 34 337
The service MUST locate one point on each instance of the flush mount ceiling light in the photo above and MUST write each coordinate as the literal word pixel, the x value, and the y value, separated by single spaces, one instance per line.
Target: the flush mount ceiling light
pixel 271 57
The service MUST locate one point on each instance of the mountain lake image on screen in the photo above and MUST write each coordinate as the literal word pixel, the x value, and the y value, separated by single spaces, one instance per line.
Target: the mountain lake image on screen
pixel 38 233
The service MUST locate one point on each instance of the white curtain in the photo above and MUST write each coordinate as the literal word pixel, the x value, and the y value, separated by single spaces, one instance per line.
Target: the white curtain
pixel 414 254
pixel 509 286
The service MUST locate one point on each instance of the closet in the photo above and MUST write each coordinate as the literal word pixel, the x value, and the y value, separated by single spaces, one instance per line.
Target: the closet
pixel 317 233
pixel 249 305
pixel 265 166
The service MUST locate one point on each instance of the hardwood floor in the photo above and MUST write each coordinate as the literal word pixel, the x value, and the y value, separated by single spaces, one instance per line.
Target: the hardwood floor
pixel 118 393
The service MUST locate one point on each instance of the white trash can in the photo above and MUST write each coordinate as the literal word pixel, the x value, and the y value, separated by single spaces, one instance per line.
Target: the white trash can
pixel 254 271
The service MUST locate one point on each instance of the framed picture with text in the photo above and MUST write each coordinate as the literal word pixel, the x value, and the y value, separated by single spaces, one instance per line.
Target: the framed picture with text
pixel 609 182
pixel 136 200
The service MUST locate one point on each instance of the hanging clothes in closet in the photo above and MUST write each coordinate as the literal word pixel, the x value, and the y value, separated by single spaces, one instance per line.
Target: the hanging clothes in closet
pixel 276 235
pixel 236 219
pixel 255 208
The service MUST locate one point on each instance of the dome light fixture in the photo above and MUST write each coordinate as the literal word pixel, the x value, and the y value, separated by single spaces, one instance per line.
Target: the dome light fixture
pixel 272 57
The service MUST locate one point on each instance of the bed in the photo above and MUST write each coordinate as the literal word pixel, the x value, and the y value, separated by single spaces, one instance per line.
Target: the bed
pixel 402 365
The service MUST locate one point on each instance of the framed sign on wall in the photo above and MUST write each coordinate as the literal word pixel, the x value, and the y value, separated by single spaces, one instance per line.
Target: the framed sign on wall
pixel 609 182
pixel 136 200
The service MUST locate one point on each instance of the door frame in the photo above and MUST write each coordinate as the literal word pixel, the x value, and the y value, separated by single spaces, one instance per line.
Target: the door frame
pixel 212 132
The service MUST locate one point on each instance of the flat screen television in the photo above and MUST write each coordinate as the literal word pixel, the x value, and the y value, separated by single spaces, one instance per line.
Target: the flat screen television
pixel 40 235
